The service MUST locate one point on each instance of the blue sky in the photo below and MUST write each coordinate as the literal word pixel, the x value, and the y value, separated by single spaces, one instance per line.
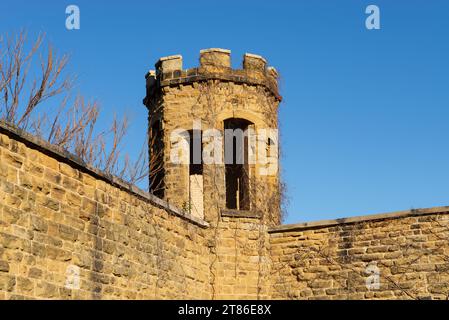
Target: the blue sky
pixel 364 121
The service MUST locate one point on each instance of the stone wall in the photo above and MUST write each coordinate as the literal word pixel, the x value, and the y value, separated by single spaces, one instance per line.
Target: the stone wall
pixel 240 262
pixel 408 252
pixel 59 218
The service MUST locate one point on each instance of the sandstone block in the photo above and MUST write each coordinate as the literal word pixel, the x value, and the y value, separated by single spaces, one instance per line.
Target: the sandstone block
pixel 4 266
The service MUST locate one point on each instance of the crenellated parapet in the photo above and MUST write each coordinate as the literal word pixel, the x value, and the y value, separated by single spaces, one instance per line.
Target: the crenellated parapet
pixel 215 64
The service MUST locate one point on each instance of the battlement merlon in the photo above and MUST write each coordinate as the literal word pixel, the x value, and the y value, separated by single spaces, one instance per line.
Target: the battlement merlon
pixel 215 64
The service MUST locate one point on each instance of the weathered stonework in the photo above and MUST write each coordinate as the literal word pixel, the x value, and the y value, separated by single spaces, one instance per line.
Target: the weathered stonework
pixel 68 231
pixel 210 94
pixel 332 259
pixel 56 213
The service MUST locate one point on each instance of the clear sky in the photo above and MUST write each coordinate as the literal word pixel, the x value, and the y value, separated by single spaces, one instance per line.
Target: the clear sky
pixel 365 116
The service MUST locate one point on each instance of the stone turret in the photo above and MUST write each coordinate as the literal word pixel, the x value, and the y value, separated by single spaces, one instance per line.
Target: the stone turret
pixel 189 106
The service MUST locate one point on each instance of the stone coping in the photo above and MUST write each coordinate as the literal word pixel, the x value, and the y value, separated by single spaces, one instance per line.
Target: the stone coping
pixel 175 56
pixel 358 219
pixel 256 56
pixel 64 156
pixel 227 51
pixel 239 214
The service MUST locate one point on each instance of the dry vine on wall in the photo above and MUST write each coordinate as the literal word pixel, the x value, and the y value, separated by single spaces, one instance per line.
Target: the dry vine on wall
pixel 266 200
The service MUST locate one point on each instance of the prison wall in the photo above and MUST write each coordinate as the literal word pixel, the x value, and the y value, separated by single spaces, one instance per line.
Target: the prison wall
pixel 68 231
pixel 240 259
pixel 402 255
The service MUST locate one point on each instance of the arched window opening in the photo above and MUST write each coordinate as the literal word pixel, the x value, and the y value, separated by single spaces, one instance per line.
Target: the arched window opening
pixel 236 164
